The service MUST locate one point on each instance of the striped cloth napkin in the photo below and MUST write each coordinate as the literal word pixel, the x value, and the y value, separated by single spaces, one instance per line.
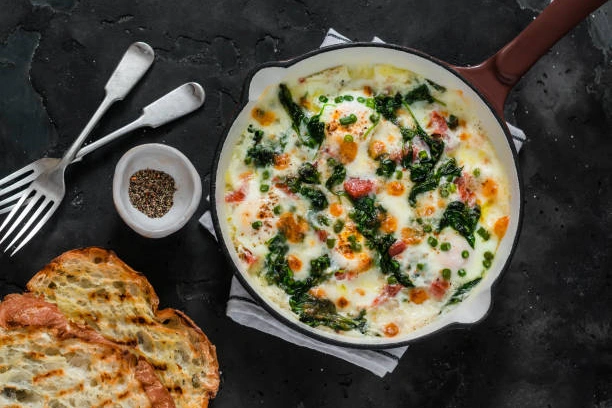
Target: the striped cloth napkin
pixel 243 309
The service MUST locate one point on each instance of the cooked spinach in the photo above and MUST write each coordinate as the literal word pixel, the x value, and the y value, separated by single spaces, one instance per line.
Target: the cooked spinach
pixel 420 93
pixel 387 264
pixel 452 122
pixel 436 86
pixel 260 155
pixel 426 179
pixel 462 219
pixel 318 201
pixel 386 168
pixel 308 174
pixel 311 132
pixel 337 176
pixel 322 312
pixel 462 291
pixel 367 215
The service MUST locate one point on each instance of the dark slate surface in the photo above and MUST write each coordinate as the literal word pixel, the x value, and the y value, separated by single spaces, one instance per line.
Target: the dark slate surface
pixel 547 340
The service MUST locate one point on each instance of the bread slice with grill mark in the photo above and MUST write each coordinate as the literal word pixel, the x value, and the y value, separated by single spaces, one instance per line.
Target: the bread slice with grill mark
pixel 93 286
pixel 47 361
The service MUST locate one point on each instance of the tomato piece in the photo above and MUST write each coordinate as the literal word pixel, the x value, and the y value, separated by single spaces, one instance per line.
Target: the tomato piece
pixel 235 196
pixel 438 288
pixel 438 123
pixel 388 291
pixel 357 188
pixel 322 234
pixel 247 256
pixel 397 247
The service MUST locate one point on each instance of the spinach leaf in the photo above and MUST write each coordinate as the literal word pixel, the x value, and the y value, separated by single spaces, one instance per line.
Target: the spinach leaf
pixel 322 312
pixel 386 168
pixel 308 173
pixel 293 109
pixel 452 122
pixel 387 264
pixel 337 176
pixel 462 219
pixel 436 86
pixel 420 93
pixel 426 179
pixel 367 215
pixel 462 291
pixel 316 132
pixel 318 201
pixel 260 155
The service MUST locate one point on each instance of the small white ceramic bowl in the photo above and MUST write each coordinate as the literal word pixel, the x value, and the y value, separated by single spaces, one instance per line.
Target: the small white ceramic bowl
pixel 186 197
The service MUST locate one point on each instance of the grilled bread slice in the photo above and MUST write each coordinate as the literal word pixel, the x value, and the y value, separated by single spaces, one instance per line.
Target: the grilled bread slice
pixel 46 361
pixel 93 286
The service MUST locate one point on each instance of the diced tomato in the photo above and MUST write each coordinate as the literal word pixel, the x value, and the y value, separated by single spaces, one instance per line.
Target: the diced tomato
pixel 340 275
pixel 438 288
pixel 438 123
pixel 397 247
pixel 463 186
pixel 322 234
pixel 388 291
pixel 235 196
pixel 248 256
pixel 357 187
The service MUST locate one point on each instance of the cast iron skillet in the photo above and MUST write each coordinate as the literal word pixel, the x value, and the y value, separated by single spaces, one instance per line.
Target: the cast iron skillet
pixel 486 85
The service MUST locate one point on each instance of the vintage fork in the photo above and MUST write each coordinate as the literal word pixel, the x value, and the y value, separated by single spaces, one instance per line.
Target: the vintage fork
pixel 133 65
pixel 48 187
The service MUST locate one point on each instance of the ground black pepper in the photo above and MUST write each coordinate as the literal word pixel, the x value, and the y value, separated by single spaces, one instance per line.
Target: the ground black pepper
pixel 152 192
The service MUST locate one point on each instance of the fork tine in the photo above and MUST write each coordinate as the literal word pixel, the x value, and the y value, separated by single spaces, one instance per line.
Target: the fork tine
pixel 10 199
pixel 8 218
pixel 17 173
pixel 38 226
pixel 34 217
pixel 24 181
pixel 21 216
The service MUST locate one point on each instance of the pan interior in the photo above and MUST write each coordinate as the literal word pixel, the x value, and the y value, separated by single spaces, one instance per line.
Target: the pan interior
pixel 477 304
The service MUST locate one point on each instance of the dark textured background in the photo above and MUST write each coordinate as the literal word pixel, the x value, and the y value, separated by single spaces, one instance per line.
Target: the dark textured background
pixel 548 339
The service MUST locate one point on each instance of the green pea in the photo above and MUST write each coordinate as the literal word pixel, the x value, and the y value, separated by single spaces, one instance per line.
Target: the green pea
pixel 486 263
pixel 476 172
pixel 461 272
pixel 488 255
pixel 370 103
pixel 330 242
pixel 348 138
pixel 338 225
pixel 452 187
pixel 427 228
pixel 257 224
pixel 444 191
pixel 420 266
pixel 348 97
pixel 338 99
pixel 423 155
pixel 483 233
pixel 392 280
pixel 264 188
pixel 465 254
pixel 374 118
pixel 265 175
pixel 432 241
pixel 445 246
pixel 399 174
pixel 361 99
pixel 323 98
pixel 278 210
pixel 446 273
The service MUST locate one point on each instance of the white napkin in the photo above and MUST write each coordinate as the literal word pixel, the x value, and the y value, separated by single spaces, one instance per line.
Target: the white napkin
pixel 244 310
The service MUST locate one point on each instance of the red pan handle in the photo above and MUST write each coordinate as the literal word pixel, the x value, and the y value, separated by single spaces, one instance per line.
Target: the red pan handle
pixel 498 74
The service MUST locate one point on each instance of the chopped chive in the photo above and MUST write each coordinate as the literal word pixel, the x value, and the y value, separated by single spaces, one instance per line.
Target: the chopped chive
pixel 446 273
pixel 264 188
pixel 483 233
pixel 348 98
pixel 347 120
pixel 374 118
pixel 265 175
pixel 323 98
pixel 461 272
pixel 348 138
pixel 488 255
pixel 452 187
pixel 465 254
pixel 361 99
pixel 427 228
pixel 445 246
pixel 391 280
pixel 256 224
pixel 370 103
pixel 486 263
pixel 420 266
pixel 330 242
pixel 422 155
pixel 338 225
pixel 432 241
pixel 338 99
pixel 278 209
pixel 399 174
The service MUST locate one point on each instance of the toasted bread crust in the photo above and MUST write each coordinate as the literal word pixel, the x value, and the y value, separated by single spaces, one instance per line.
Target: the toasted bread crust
pixel 29 323
pixel 85 283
